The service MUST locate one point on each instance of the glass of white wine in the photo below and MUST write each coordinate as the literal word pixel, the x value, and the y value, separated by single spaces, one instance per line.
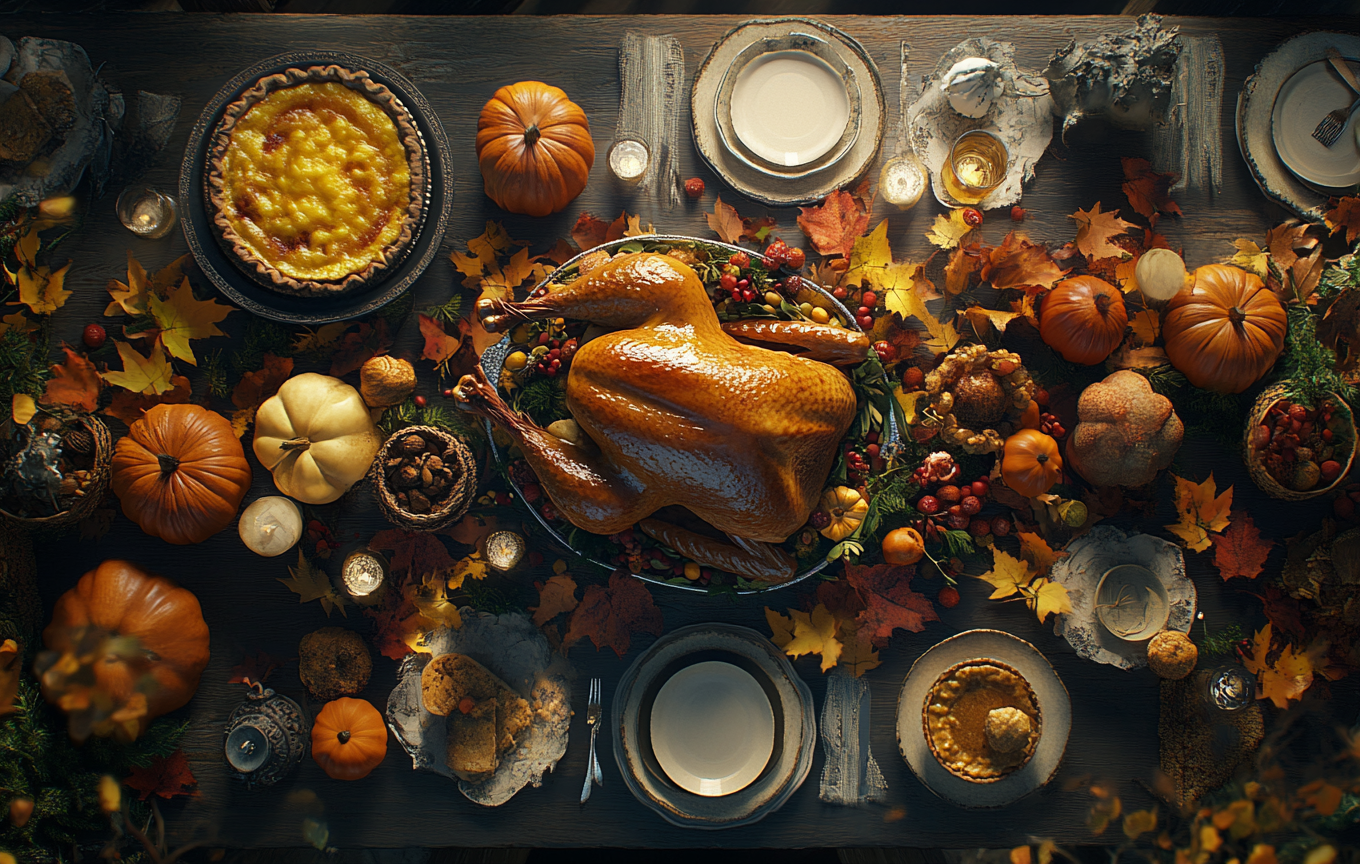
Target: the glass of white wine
pixel 146 211
pixel 977 164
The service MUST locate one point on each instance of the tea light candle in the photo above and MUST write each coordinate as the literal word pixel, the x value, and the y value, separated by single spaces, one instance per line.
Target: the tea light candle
pixel 363 574
pixel 1230 688
pixel 270 526
pixel 902 181
pixel 146 211
pixel 504 549
pixel 628 160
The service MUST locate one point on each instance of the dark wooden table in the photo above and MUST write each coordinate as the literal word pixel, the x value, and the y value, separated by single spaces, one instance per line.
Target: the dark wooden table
pixel 458 63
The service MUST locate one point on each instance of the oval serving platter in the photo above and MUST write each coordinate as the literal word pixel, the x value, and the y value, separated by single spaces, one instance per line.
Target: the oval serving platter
pixel 244 291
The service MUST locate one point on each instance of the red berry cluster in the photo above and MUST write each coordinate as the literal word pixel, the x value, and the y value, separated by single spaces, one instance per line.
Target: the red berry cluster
pixel 559 354
pixel 858 465
pixel 952 505
pixel 1344 505
pixel 1049 424
pixel 864 315
pixel 1300 446
pixel 885 351
pixel 780 254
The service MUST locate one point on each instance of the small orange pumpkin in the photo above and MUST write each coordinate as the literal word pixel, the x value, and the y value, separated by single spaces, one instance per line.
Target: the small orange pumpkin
pixel 349 739
pixel 534 148
pixel 1030 463
pixel 903 546
pixel 1226 332
pixel 1083 319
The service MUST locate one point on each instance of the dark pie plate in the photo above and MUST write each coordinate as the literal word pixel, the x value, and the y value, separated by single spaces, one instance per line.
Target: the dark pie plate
pixel 230 276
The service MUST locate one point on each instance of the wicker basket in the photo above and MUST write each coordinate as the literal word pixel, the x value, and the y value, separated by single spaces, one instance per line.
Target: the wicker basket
pixel 1261 476
pixel 456 455
pixel 100 472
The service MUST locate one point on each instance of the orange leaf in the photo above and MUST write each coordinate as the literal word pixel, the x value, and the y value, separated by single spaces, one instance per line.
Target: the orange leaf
pixel 166 777
pixel 416 555
pixel 439 346
pixel 1322 796
pixel 74 384
pixel 1035 551
pixel 1239 552
pixel 560 253
pixel 610 616
pixel 130 407
pixel 1345 215
pixel 963 263
pixel 618 229
pixel 1094 230
pixel 1202 511
pixel 725 222
pixel 1148 192
pixel 889 602
pixel 1018 263
pixel 555 596
pixel 357 346
pixel 255 387
pixel 589 232
pixel 150 375
pixel 833 225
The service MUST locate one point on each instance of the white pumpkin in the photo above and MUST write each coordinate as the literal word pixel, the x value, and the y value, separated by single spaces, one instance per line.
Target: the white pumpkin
pixel 316 437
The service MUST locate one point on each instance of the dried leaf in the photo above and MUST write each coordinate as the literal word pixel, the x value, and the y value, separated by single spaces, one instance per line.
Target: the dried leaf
pixel 1345 216
pixel 1202 511
pixel 1322 796
pixel 472 566
pixel 417 556
pixel 833 225
pixel 963 263
pixel 1017 263
pixel 74 384
pixel 1044 598
pixel 1008 575
pixel 165 777
pixel 131 407
pixel 781 628
pixel 949 231
pixel 815 633
pixel 439 346
pixel 1250 257
pixel 311 583
pixel 725 222
pixel 987 321
pixel 41 289
pixel 1239 552
pixel 359 345
pixel 858 654
pixel 610 616
pixel 1139 822
pixel 903 288
pixel 431 599
pixel 255 387
pixel 1146 324
pixel 555 596
pixel 869 257
pixel 1036 553
pixel 1094 230
pixel 17 321
pixel 472 529
pixel 181 318
pixel 889 602
pixel 588 232
pixel 150 375
pixel 1148 192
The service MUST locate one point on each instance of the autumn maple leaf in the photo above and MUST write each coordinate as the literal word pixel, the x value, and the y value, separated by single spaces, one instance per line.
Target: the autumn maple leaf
pixel 165 777
pixel 430 597
pixel 858 653
pixel 255 387
pixel 358 346
pixel 815 633
pixel 870 256
pixel 725 221
pixel 1017 263
pixel 74 384
pixel 1036 552
pixel 1094 230
pixel 439 346
pixel 1046 598
pixel 903 287
pixel 150 375
pixel 131 298
pixel 1250 256
pixel 131 407
pixel 588 232
pixel 889 602
pixel 610 616
pixel 833 225
pixel 1239 552
pixel 949 231
pixel 1148 191
pixel 1007 576
pixel 964 261
pixel 181 318
pixel 555 596
pixel 310 583
pixel 1202 510
pixel 1344 215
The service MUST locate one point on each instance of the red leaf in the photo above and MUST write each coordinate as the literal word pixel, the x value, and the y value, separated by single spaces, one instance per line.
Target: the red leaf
pixel 588 232
pixel 255 387
pixel 560 253
pixel 889 602
pixel 1017 263
pixel 1283 612
pixel 725 221
pixel 439 346
pixel 166 776
pixel 840 599
pixel 1239 552
pixel 833 225
pixel 610 616
pixel 357 346
pixel 617 228
pixel 256 667
pixel 130 407
pixel 74 384
pixel 1148 192
pixel 415 554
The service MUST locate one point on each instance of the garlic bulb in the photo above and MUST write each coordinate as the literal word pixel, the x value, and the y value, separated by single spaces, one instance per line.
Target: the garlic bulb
pixel 972 85
pixel 1160 274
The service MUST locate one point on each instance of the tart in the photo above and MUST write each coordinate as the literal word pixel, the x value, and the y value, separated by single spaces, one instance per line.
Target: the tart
pixel 316 180
pixel 967 725
pixel 485 717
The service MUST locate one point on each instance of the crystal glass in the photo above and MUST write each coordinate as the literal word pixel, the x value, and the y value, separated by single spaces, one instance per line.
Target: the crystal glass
pixel 902 181
pixel 628 159
pixel 1229 688
pixel 363 575
pixel 146 211
pixel 977 164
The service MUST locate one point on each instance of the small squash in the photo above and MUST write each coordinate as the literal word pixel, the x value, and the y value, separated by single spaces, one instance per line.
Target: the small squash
pixel 349 739
pixel 847 508
pixel 1030 464
pixel 164 618
pixel 1160 274
pixel 903 546
pixel 1226 331
pixel 1083 319
pixel 534 148
pixel 316 437
pixel 180 473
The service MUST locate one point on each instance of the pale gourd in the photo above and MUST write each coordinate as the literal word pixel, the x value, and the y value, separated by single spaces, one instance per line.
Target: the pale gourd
pixel 316 437
pixel 1160 274
pixel 846 509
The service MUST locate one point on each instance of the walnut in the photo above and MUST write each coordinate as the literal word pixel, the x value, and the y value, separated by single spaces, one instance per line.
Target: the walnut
pixel 408 476
pixel 411 445
pixel 419 503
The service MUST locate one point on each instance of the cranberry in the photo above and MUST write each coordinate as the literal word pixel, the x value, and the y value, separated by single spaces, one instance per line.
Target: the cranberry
pixel 1298 412
pixel 865 322
pixel 1343 508
pixel 694 187
pixel 795 258
pixel 1041 396
pixel 869 298
pixel 972 217
pixel 740 260
pixel 863 310
pixel 420 401
pixel 981 488
pixel 979 527
pixel 872 450
pixel 885 351
pixel 838 292
pixel 94 336
pixel 819 520
pixel 1017 213
pixel 948 597
pixel 952 494
pixel 448 392
pixel 928 504
pixel 1001 526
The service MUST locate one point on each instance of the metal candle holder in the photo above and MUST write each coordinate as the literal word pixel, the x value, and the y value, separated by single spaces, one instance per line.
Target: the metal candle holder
pixel 265 737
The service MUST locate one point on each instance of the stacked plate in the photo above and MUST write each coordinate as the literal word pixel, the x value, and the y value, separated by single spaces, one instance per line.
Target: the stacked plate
pixel 715 728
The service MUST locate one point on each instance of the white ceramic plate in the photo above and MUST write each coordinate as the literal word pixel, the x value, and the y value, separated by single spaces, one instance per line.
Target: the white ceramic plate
pixel 1307 97
pixel 698 700
pixel 1054 705
pixel 764 113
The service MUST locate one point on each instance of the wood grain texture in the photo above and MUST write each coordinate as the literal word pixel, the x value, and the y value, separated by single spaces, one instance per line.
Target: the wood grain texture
pixel 458 63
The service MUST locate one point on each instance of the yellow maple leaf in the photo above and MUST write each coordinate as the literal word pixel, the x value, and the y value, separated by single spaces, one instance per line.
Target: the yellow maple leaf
pixel 432 601
pixel 781 628
pixel 815 633
pixel 1036 552
pixel 495 240
pixel 1202 511
pixel 1139 822
pixel 472 267
pixel 1094 230
pixel 472 567
pixel 26 249
pixel 1292 674
pixel 1146 325
pixel 985 321
pixel 948 231
pixel 41 289
pixel 22 408
pixel 910 402
pixel 1255 662
pixel 1047 598
pixel 1250 256
pixel 323 338
pixel 311 583
pixel 870 254
pixel 635 228
pixel 149 375
pixel 1008 574
pixel 858 654
pixel 903 289
pixel 131 298
pixel 181 317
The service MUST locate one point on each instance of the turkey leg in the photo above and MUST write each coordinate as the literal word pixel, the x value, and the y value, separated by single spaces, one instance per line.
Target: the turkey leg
pixel 763 562
pixel 834 345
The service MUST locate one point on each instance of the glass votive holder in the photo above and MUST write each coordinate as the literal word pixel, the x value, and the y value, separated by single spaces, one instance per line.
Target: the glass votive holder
pixel 628 160
pixel 146 211
pixel 363 575
pixel 504 549
pixel 902 181
pixel 1229 688
pixel 977 164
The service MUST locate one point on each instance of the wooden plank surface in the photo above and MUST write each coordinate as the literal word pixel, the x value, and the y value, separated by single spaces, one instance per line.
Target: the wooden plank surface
pixel 458 63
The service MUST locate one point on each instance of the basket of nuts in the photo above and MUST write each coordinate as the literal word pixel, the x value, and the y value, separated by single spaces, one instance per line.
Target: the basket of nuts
pixel 425 478
pixel 55 471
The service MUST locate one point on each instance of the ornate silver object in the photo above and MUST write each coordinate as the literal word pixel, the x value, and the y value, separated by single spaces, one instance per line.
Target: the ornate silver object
pixel 265 737
pixel 1230 688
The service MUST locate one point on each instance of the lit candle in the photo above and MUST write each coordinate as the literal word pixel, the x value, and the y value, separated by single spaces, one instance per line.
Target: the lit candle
pixel 146 211
pixel 628 160
pixel 363 574
pixel 902 181
pixel 270 526
pixel 504 549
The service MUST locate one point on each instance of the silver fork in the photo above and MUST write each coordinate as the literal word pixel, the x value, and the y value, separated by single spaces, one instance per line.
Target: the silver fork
pixel 594 714
pixel 1330 127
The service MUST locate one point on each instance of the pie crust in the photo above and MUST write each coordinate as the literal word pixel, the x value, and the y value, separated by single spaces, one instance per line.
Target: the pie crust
pixel 955 719
pixel 366 226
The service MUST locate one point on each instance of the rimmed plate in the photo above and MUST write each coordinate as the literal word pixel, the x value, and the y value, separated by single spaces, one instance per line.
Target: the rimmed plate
pixel 1306 98
pixel 818 179
pixel 221 267
pixel 1255 110
pixel 753 99
pixel 636 700
pixel 691 704
pixel 1054 705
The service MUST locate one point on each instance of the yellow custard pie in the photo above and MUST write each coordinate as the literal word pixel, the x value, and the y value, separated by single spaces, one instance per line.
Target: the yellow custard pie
pixel 981 720
pixel 317 180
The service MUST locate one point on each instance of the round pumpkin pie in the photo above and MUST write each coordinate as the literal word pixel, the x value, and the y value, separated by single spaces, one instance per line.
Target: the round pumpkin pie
pixel 981 720
pixel 317 180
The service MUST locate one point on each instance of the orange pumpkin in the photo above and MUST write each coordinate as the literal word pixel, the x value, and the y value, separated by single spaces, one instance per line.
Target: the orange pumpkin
pixel 349 739
pixel 1083 319
pixel 1226 331
pixel 534 148
pixel 180 473
pixel 164 618
pixel 1030 463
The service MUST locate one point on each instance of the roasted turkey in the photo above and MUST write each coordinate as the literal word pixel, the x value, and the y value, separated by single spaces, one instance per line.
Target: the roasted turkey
pixel 676 411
